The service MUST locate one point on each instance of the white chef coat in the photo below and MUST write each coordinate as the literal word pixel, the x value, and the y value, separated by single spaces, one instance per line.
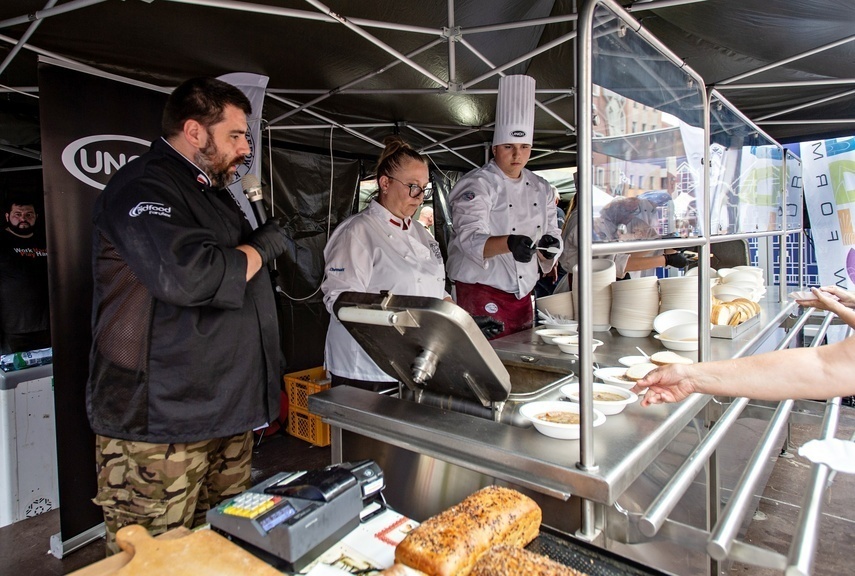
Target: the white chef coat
pixel 487 203
pixel 370 252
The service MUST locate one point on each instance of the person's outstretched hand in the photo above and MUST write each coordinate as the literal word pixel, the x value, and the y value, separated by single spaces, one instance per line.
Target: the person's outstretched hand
pixel 676 259
pixel 490 327
pixel 521 247
pixel 666 384
pixel 825 298
pixel 845 297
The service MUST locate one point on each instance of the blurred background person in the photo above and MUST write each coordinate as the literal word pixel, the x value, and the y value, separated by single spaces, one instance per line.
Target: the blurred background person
pixel 426 218
pixel 24 302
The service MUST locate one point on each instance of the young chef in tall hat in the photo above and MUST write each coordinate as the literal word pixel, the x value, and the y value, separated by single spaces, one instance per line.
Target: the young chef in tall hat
pixel 504 217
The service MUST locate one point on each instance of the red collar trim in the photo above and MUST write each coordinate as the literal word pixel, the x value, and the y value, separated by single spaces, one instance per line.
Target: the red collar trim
pixel 404 225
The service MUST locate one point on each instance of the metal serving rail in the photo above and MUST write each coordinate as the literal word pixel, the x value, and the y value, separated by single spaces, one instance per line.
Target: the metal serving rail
pixel 624 446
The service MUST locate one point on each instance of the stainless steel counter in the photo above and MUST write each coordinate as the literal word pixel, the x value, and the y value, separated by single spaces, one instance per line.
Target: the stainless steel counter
pixel 624 446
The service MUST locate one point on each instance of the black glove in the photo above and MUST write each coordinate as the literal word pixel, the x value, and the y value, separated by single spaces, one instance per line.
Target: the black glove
pixel 520 247
pixel 547 241
pixel 269 240
pixel 677 260
pixel 490 327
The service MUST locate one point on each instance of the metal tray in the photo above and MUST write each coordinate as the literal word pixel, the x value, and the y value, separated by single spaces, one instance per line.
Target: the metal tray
pixel 731 332
pixel 585 557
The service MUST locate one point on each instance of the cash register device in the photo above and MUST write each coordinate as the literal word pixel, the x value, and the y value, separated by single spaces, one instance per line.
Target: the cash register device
pixel 293 517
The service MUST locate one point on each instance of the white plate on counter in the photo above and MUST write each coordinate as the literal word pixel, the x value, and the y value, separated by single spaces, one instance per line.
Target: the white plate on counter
pixel 632 360
pixel 614 376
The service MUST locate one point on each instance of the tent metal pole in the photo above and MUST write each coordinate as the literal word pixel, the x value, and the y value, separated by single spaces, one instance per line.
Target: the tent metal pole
pixel 521 24
pixel 805 105
pixel 452 35
pixel 23 40
pixel 328 126
pixel 793 58
pixel 537 103
pixel 40 52
pixel 424 135
pixel 540 50
pixel 329 121
pixel 377 42
pixel 377 72
pixel 640 5
pixel 305 15
pixel 826 121
pixel 48 12
pixel 787 84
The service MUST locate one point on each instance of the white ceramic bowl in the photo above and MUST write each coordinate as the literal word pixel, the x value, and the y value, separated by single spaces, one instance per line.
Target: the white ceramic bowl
pixel 674 318
pixel 743 276
pixel 559 324
pixel 633 333
pixel 607 407
pixel 570 344
pixel 632 360
pixel 683 337
pixel 614 377
pixel 532 410
pixel 548 335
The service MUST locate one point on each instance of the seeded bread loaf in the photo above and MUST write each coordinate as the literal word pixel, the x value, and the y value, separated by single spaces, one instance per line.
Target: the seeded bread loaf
pixel 450 543
pixel 513 561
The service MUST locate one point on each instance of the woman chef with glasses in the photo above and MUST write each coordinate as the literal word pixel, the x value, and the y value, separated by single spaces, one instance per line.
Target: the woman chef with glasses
pixel 381 248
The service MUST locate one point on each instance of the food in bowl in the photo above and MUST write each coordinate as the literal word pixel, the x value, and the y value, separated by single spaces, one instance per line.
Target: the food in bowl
pixel 615 376
pixel 559 417
pixel 548 335
pixel 607 398
pixel 556 409
pixel 570 344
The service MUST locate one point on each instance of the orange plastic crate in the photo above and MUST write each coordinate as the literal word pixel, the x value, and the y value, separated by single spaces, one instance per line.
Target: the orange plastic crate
pixel 300 385
pixel 308 427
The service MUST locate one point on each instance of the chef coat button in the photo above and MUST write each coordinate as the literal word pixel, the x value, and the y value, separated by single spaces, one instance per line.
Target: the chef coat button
pixel 510 205
pixel 535 203
pixel 513 229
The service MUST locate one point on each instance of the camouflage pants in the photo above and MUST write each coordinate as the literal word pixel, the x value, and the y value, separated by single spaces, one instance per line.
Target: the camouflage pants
pixel 164 486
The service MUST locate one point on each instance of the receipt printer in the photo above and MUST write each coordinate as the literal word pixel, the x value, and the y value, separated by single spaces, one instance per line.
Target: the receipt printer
pixel 295 516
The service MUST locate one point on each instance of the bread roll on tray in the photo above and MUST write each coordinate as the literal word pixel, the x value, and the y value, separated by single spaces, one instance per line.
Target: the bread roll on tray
pixel 450 543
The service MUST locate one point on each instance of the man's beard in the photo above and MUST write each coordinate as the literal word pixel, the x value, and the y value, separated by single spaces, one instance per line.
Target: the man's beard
pixel 21 229
pixel 215 164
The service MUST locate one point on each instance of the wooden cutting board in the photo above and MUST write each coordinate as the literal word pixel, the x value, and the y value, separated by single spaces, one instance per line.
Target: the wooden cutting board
pixel 197 553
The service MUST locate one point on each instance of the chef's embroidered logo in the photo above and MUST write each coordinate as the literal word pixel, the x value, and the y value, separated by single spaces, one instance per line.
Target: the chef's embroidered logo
pixel 491 307
pixel 469 195
pixel 434 247
pixel 155 208
pixel 335 269
pixel 518 133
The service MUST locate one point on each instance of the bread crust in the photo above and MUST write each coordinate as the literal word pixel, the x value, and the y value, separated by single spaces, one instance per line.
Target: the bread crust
pixel 512 561
pixel 450 543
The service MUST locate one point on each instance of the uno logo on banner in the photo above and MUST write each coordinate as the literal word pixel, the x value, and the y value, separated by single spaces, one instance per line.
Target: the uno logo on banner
pixel 94 159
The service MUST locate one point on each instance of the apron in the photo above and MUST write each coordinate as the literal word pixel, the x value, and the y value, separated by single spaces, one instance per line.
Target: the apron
pixel 481 300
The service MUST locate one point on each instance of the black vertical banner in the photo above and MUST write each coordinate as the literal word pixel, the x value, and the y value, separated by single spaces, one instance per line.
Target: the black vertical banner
pixel 90 127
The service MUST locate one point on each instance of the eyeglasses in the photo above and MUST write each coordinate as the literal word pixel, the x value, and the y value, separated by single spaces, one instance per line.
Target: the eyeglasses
pixel 415 189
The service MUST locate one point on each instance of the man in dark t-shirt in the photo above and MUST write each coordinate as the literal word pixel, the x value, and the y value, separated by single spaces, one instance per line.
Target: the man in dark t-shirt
pixel 24 306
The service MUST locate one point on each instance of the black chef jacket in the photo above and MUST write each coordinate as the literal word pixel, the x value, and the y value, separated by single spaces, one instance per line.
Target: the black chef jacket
pixel 184 349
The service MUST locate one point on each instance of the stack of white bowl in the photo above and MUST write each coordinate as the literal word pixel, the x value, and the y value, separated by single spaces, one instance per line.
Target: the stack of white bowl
pixel 678 292
pixel 602 277
pixel 740 282
pixel 635 303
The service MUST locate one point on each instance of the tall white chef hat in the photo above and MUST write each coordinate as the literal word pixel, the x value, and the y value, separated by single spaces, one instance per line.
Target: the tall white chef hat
pixel 514 111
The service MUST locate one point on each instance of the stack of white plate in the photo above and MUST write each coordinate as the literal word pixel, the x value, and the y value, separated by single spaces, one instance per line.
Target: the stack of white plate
pixel 559 306
pixel 635 303
pixel 740 282
pixel 678 292
pixel 602 277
